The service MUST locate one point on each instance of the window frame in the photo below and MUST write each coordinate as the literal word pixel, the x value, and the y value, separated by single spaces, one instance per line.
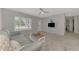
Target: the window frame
pixel 27 27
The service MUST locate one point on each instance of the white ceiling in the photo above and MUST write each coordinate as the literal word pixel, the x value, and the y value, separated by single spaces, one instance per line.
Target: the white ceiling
pixel 52 11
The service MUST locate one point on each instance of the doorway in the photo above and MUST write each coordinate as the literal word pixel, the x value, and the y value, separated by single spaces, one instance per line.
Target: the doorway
pixel 69 24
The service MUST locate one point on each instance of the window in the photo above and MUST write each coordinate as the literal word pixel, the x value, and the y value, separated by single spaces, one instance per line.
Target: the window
pixel 22 23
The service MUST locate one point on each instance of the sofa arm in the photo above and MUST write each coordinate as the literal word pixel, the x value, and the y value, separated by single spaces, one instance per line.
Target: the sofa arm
pixel 35 46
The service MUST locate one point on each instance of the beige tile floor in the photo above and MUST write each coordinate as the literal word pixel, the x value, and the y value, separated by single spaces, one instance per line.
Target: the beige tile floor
pixel 68 42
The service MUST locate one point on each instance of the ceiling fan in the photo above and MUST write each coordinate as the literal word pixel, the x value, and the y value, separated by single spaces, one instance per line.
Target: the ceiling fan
pixel 43 11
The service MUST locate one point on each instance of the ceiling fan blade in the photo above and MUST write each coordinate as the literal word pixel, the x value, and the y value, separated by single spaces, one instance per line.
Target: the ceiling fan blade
pixel 43 10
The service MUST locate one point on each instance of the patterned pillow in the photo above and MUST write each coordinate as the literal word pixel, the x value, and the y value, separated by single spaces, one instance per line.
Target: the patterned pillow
pixel 6 44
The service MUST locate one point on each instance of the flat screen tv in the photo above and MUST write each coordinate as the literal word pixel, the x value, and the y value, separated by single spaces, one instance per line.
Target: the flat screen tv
pixel 51 24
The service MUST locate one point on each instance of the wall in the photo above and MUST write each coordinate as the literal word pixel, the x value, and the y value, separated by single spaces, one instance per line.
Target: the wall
pixel 45 26
pixel 35 25
pixel 76 24
pixel 59 25
pixel 60 21
pixel 0 18
pixel 8 20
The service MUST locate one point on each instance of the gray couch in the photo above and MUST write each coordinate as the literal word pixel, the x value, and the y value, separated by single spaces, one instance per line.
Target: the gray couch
pixel 24 40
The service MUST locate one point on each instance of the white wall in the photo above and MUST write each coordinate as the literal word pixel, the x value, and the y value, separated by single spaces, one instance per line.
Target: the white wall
pixel 60 21
pixel 76 24
pixel 59 25
pixel 39 28
pixel 45 26
pixel 0 18
pixel 8 20
pixel 35 25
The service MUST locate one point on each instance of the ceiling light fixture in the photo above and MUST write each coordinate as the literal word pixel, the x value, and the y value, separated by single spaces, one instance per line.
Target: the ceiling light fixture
pixel 42 13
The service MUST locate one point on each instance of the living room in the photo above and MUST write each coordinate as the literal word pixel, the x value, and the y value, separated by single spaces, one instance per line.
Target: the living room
pixel 27 21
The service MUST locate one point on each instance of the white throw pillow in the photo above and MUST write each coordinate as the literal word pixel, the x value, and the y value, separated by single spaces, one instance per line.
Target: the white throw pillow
pixel 14 45
pixel 4 43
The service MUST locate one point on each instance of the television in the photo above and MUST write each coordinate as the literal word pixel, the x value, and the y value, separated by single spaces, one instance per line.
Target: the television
pixel 51 24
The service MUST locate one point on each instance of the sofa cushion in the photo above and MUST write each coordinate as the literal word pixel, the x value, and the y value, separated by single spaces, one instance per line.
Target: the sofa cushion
pixel 21 39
